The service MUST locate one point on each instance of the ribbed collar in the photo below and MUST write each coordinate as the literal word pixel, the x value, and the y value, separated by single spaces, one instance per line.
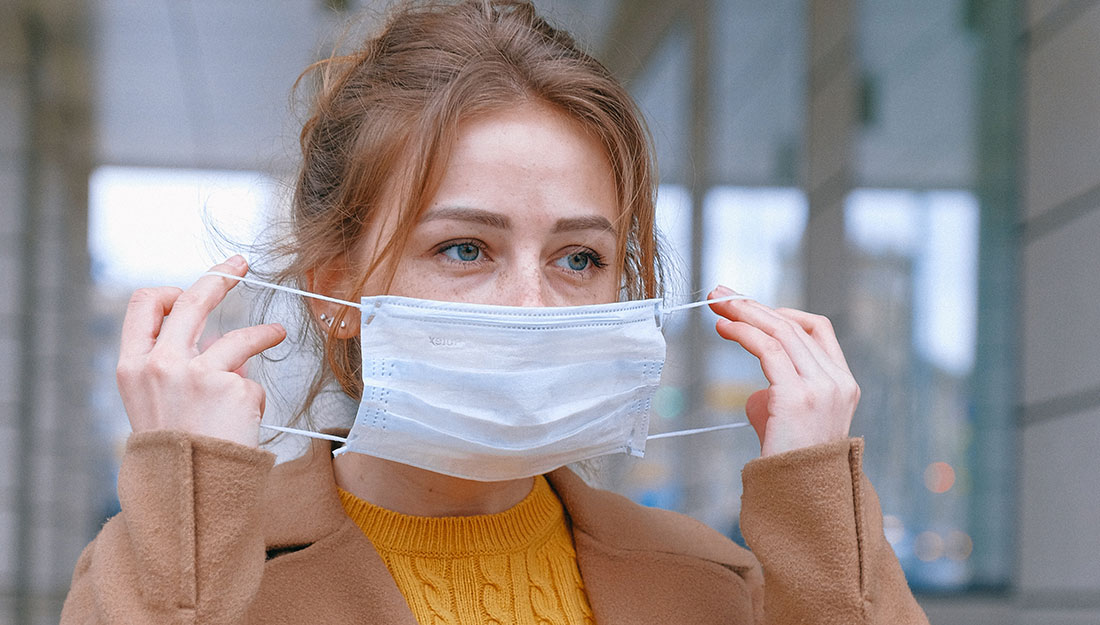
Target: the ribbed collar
pixel 519 527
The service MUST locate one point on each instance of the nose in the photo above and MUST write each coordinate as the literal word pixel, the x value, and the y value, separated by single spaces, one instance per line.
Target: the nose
pixel 525 286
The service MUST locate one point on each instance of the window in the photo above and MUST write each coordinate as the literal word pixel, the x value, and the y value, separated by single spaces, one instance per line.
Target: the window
pixel 152 227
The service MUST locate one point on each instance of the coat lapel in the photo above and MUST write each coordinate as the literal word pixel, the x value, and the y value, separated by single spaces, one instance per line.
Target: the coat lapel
pixel 639 565
pixel 324 569
pixel 644 565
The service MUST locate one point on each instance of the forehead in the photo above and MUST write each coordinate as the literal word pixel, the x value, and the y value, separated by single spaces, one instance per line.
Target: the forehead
pixel 530 162
pixel 530 153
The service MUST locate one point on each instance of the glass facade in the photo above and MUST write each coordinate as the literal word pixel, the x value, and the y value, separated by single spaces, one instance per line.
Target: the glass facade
pixel 915 212
pixel 728 91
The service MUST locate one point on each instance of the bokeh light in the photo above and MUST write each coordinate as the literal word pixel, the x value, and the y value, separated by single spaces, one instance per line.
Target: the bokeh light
pixel 929 546
pixel 669 402
pixel 894 529
pixel 939 477
pixel 959 545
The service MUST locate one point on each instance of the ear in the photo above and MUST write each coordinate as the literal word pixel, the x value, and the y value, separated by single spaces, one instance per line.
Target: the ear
pixel 333 279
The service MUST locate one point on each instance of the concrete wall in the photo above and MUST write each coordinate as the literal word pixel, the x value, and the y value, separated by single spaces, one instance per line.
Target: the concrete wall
pixel 1058 526
pixel 1059 559
pixel 45 158
pixel 46 448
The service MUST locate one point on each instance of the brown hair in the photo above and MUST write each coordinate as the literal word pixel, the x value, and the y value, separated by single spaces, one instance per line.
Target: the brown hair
pixel 388 113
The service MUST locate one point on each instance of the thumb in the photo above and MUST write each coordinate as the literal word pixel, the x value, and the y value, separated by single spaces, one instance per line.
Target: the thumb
pixel 756 409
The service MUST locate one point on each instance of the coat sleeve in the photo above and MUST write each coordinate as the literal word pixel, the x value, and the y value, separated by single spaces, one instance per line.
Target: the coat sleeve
pixel 812 519
pixel 187 546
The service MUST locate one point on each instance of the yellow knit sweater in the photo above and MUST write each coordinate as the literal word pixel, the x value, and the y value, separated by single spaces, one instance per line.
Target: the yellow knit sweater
pixel 518 566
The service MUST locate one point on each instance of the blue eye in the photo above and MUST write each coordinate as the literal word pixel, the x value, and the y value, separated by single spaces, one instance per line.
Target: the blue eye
pixel 465 252
pixel 579 261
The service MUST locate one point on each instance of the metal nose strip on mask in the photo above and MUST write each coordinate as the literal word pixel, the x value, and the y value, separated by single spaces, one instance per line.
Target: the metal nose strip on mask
pixel 665 310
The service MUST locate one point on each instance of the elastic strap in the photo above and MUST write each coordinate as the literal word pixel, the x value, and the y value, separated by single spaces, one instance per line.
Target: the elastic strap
pixel 279 287
pixel 707 302
pixel 339 439
pixel 327 437
pixel 713 428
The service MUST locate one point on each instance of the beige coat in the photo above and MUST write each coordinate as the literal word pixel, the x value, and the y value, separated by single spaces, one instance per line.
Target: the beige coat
pixel 211 533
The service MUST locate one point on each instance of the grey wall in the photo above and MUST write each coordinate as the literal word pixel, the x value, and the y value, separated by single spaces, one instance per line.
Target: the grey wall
pixel 1058 524
pixel 1060 412
pixel 46 453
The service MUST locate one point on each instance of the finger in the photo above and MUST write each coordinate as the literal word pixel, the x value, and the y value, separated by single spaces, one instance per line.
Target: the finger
pixel 144 315
pixel 756 410
pixel 184 326
pixel 231 351
pixel 263 403
pixel 821 331
pixel 807 356
pixel 775 362
pixel 822 369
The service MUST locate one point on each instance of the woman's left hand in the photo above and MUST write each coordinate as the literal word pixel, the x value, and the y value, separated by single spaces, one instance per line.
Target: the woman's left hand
pixel 812 395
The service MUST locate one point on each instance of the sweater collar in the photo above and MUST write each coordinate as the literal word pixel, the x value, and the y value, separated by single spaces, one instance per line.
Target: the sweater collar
pixel 302 506
pixel 639 565
pixel 526 523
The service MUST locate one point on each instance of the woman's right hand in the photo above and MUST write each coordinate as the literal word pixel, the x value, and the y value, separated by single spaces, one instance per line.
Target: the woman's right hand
pixel 167 383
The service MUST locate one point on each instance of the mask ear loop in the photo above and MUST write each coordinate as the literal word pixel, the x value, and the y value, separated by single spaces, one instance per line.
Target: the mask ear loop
pixel 713 428
pixel 340 439
pixel 287 289
pixel 668 310
pixel 660 312
pixel 665 311
pixel 309 433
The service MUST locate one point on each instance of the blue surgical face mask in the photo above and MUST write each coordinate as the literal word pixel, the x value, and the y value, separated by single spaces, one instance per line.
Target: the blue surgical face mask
pixel 488 393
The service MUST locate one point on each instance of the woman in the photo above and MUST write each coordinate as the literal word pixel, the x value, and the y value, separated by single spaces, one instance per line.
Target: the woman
pixel 470 153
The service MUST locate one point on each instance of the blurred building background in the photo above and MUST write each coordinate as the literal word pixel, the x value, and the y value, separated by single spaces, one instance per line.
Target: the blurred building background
pixel 927 174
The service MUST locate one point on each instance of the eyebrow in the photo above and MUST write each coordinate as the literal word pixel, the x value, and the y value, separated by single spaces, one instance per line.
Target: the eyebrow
pixel 591 222
pixel 472 215
pixel 504 222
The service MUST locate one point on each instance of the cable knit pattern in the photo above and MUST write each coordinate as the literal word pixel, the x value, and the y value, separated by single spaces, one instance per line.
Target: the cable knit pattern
pixel 518 566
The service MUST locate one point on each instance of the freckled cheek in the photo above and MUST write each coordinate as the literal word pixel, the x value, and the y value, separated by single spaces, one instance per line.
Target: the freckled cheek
pixel 409 284
pixel 414 279
pixel 606 293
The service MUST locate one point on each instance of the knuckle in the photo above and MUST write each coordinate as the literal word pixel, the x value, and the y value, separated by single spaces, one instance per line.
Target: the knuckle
pixel 854 391
pixel 772 346
pixel 147 295
pixel 233 336
pixel 801 397
pixel 126 371
pixel 159 365
pixel 142 296
pixel 194 368
pixel 254 393
pixel 786 331
pixel 773 405
pixel 842 392
pixel 820 323
pixel 189 298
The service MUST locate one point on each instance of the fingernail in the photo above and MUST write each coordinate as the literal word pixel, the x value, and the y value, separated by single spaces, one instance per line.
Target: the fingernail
pixel 236 260
pixel 723 291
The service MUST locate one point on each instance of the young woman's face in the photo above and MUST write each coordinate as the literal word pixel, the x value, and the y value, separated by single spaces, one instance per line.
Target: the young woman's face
pixel 524 216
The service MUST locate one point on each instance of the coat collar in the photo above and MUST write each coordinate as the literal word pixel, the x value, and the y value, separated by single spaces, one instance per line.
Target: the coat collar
pixel 638 564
